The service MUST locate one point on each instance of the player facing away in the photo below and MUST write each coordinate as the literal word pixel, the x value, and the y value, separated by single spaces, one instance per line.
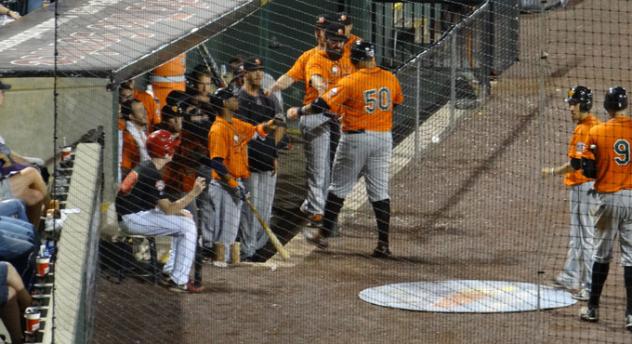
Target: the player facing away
pixel 364 101
pixel 608 160
pixel 578 267
pixel 144 209
pixel 228 149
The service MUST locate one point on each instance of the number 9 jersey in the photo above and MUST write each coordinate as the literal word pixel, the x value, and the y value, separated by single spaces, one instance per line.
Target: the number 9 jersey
pixel 365 99
pixel 610 143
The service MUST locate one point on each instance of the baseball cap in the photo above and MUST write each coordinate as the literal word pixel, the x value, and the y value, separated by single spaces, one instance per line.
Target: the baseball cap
pixel 344 18
pixel 176 110
pixel 335 31
pixel 4 86
pixel 253 63
pixel 322 20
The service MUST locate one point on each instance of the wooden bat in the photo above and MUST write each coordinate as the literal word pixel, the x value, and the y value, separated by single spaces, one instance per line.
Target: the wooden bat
pixel 273 238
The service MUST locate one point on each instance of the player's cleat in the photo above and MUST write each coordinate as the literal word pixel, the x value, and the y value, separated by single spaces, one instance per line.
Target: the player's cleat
pixel 381 251
pixel 628 322
pixel 581 295
pixel 315 238
pixel 335 233
pixel 185 288
pixel 589 313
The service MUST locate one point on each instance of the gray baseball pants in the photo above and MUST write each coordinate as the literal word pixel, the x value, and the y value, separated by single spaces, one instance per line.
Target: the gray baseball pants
pixel 316 133
pixel 578 267
pixel 260 186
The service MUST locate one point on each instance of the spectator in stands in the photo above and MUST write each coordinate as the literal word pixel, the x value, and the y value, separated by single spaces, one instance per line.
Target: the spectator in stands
pixel 172 119
pixel 14 299
pixel 134 135
pixel 144 209
pixel 26 184
pixel 255 108
pixel 150 103
pixel 7 16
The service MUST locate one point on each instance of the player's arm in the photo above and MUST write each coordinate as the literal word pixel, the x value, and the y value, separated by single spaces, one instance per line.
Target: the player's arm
pixel 330 102
pixel 588 158
pixel 282 83
pixel 571 166
pixel 176 207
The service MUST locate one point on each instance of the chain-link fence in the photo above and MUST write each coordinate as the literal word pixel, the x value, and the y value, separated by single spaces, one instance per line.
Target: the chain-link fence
pixel 145 237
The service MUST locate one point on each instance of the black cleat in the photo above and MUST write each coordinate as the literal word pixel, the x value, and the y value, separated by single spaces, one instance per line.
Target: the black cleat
pixel 315 238
pixel 381 251
pixel 589 313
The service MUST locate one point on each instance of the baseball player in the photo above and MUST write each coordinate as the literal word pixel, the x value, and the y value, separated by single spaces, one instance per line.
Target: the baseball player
pixel 609 161
pixel 364 101
pixel 228 149
pixel 144 209
pixel 578 267
pixel 254 108
pixel 297 71
pixel 323 70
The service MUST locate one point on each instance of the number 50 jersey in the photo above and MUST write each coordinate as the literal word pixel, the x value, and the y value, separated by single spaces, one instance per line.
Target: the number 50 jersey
pixel 365 99
pixel 612 154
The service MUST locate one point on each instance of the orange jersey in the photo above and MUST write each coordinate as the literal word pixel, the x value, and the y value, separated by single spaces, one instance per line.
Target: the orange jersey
pixel 229 141
pixel 330 71
pixel 297 72
pixel 151 108
pixel 365 99
pixel 612 154
pixel 576 148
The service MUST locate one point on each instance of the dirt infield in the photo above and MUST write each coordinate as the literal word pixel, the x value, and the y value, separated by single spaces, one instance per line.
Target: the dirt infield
pixel 473 206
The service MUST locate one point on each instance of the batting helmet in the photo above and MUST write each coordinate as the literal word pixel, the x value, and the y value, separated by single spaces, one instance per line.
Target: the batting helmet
pixel 362 51
pixel 580 95
pixel 161 144
pixel 220 95
pixel 616 99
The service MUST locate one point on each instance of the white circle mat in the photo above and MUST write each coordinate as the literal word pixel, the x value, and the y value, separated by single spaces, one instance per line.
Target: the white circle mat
pixel 467 296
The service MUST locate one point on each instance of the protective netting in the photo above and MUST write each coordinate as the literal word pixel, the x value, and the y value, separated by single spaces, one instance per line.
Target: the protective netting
pixel 161 237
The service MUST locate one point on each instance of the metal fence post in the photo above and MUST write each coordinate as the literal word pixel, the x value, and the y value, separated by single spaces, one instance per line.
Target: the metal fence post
pixel 453 63
pixel 417 105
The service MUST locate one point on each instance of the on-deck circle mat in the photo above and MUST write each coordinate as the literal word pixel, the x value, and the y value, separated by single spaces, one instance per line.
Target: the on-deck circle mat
pixel 467 296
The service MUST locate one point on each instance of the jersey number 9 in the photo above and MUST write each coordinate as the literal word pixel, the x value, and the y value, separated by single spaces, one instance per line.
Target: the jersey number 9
pixel 377 99
pixel 622 149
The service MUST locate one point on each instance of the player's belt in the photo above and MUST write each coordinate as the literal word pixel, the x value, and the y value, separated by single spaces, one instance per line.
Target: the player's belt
pixel 350 132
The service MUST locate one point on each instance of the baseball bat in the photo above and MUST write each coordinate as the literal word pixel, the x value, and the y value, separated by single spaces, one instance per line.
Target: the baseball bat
pixel 273 238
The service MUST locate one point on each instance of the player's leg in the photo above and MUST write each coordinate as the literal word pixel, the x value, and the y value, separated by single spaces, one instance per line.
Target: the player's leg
pixel 376 178
pixel 266 189
pixel 587 202
pixel 155 223
pixel 625 240
pixel 350 159
pixel 229 217
pixel 606 228
pixel 206 215
pixel 316 135
pixel 569 277
pixel 247 224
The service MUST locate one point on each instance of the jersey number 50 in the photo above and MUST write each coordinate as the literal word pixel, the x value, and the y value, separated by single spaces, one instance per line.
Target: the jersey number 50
pixel 377 99
pixel 622 149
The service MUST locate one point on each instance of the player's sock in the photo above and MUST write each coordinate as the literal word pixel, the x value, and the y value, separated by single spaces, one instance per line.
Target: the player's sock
pixel 382 211
pixel 599 275
pixel 627 273
pixel 332 209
